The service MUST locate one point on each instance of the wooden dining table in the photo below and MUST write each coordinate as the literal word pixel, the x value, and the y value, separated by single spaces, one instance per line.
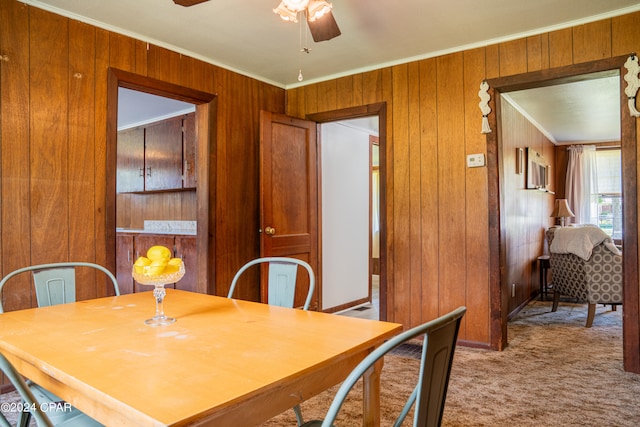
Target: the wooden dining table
pixel 224 362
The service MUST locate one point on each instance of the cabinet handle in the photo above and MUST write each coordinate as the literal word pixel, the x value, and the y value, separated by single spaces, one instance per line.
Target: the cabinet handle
pixel 148 171
pixel 141 171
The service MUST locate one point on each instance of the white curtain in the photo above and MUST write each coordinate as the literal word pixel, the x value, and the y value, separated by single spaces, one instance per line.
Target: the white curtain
pixel 581 186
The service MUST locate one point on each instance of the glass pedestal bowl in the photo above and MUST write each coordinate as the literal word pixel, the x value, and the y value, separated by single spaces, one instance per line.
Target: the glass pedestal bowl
pixel 159 281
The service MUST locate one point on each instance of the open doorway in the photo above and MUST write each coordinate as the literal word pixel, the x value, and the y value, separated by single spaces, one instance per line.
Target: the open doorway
pixel 374 113
pixel 500 287
pixel 349 157
pixel 203 128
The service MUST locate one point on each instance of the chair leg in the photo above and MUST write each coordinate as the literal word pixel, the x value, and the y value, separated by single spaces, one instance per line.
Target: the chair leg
pixel 24 419
pixel 590 315
pixel 556 300
pixel 298 412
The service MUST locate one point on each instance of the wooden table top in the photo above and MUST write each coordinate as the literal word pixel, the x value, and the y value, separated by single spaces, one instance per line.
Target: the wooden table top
pixel 221 357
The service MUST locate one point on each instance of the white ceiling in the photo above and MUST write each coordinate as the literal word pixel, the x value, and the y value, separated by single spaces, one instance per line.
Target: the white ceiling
pixel 578 112
pixel 245 36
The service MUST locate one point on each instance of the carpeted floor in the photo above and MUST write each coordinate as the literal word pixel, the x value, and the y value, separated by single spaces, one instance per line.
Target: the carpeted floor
pixel 555 372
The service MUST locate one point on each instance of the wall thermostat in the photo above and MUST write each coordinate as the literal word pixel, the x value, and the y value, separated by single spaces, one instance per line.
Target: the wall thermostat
pixel 475 160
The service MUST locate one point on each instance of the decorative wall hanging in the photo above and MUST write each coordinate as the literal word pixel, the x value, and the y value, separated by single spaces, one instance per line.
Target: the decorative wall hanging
pixel 633 83
pixel 484 106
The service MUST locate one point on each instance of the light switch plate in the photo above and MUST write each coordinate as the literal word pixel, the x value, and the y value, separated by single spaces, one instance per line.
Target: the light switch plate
pixel 475 160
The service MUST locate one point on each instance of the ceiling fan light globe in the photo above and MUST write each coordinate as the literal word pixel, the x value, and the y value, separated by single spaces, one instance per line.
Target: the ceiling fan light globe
pixel 285 13
pixel 295 5
pixel 317 9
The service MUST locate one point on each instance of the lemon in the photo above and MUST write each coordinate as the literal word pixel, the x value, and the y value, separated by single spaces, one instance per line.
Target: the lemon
pixel 175 261
pixel 156 267
pixel 171 268
pixel 142 261
pixel 158 252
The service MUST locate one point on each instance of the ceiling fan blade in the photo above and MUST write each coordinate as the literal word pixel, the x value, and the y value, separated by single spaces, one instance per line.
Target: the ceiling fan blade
pixel 187 3
pixel 324 28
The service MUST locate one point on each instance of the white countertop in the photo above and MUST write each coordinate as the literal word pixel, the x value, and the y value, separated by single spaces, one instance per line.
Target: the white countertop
pixel 188 228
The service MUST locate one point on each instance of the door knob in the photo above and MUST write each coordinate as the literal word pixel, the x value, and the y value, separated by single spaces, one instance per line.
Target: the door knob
pixel 270 231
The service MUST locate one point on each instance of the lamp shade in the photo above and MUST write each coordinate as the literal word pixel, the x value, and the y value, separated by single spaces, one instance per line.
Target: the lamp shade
pixel 562 209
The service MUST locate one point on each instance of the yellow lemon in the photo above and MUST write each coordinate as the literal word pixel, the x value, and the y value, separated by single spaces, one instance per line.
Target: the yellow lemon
pixel 171 268
pixel 158 252
pixel 142 261
pixel 156 267
pixel 175 261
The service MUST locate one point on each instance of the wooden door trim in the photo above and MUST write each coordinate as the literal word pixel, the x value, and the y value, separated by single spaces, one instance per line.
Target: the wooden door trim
pixel 380 110
pixel 631 315
pixel 205 104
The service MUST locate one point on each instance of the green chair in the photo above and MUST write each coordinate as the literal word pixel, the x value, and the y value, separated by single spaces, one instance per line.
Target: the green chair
pixel 282 280
pixel 438 346
pixel 44 415
pixel 54 284
pixel 282 287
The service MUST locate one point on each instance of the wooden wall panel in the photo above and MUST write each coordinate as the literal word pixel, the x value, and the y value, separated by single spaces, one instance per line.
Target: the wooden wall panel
pixel 476 201
pixel 100 146
pixel 415 193
pixel 451 183
pixel 429 242
pixel 401 278
pixel 15 224
pixel 49 150
pixel 122 52
pixel 592 41
pixel 492 61
pixel 534 53
pixel 163 64
pixel 513 57
pixel 560 48
pixel 81 183
pixel 625 38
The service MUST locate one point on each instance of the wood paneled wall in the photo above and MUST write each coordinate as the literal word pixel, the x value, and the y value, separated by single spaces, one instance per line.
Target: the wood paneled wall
pixel 53 133
pixel 53 118
pixel 437 208
pixel 525 212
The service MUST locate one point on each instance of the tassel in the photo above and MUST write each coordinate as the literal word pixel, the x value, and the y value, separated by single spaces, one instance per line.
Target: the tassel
pixel 484 106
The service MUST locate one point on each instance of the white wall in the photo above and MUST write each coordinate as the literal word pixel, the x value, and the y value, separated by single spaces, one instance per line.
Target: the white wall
pixel 345 214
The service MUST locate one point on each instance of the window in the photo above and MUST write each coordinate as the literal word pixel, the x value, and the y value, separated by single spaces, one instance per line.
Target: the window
pixel 607 194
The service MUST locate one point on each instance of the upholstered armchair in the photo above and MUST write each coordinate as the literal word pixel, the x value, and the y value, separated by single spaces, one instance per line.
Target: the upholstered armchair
pixel 585 264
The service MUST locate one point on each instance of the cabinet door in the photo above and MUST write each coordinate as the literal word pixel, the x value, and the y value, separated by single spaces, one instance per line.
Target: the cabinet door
pixel 163 155
pixel 189 150
pixel 124 262
pixel 186 249
pixel 130 163
pixel 143 242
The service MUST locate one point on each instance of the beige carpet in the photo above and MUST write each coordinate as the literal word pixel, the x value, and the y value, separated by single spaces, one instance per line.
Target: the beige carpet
pixel 555 372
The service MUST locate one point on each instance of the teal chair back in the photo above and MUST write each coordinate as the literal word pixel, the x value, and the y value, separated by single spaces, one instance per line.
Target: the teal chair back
pixel 439 340
pixel 281 280
pixel 56 283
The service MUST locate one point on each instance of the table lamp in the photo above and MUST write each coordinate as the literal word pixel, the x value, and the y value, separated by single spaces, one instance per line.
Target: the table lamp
pixel 562 210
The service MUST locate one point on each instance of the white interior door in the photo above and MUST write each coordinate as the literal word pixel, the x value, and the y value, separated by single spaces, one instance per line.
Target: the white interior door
pixel 345 160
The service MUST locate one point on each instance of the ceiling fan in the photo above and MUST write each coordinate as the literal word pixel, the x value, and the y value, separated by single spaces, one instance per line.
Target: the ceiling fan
pixel 322 24
pixel 320 20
